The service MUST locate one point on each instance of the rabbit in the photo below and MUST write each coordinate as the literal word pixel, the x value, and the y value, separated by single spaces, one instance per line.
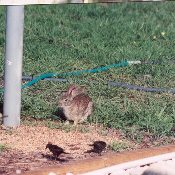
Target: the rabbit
pixel 76 104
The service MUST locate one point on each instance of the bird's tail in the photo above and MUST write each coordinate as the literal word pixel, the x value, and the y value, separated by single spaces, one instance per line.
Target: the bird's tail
pixel 89 151
pixel 66 153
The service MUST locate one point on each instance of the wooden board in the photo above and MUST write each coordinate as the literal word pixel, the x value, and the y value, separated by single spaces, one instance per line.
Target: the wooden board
pixel 103 161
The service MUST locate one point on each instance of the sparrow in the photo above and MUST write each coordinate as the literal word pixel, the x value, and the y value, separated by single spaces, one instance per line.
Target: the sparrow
pixel 98 147
pixel 56 150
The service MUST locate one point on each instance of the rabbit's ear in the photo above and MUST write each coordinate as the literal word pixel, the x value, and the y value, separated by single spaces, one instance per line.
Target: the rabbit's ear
pixel 71 89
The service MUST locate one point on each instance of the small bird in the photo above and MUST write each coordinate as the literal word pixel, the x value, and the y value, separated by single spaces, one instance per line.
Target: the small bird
pixel 56 150
pixel 98 147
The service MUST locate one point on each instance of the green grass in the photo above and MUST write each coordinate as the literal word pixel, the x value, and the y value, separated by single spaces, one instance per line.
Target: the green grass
pixel 61 38
pixel 118 146
pixel 2 147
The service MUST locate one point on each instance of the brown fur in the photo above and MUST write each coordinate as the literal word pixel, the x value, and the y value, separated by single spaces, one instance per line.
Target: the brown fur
pixel 76 90
pixel 76 105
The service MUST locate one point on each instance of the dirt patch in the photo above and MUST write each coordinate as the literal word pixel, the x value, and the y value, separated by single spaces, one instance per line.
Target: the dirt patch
pixel 26 146
pixel 15 161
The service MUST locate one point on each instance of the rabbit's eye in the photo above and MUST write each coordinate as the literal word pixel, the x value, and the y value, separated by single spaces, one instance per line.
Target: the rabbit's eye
pixel 65 99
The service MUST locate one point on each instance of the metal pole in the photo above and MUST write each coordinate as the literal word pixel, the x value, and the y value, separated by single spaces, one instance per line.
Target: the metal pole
pixel 13 65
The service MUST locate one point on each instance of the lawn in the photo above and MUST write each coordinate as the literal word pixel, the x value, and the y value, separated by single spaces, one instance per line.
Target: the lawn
pixel 62 38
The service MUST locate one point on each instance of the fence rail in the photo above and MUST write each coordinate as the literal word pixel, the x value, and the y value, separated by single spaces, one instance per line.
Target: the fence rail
pixel 27 2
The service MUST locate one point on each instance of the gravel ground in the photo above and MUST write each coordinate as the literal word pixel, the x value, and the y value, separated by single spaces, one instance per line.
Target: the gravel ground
pixel 26 146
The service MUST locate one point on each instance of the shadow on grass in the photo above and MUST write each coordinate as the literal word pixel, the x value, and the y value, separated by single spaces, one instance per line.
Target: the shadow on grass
pixel 59 113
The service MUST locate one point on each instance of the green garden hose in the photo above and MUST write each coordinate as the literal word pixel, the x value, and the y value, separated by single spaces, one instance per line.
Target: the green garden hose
pixel 48 76
pixel 76 73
